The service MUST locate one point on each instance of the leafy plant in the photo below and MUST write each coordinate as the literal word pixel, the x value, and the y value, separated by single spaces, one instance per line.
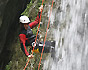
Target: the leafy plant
pixel 8 66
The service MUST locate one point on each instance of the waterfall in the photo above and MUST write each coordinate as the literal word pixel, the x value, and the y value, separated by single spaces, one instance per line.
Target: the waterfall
pixel 71 36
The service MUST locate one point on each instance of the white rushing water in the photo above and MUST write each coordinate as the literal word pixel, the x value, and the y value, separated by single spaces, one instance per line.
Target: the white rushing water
pixel 71 36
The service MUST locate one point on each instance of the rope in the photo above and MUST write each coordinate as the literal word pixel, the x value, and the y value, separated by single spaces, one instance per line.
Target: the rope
pixel 45 35
pixel 35 38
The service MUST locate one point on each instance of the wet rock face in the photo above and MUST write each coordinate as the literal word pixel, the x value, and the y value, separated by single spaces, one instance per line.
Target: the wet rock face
pixel 2 6
pixel 10 11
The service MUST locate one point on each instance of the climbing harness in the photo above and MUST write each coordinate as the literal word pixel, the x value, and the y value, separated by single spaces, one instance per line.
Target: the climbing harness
pixel 37 35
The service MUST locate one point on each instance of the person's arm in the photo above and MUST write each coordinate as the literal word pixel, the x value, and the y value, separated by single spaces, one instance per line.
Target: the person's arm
pixel 36 22
pixel 22 38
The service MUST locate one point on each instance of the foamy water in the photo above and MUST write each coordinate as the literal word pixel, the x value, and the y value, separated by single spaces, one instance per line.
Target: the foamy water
pixel 71 37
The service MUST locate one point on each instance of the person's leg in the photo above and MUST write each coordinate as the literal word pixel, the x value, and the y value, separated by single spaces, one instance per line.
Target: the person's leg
pixel 49 47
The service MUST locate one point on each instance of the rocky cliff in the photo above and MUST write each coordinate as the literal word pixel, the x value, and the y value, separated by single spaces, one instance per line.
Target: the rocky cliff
pixel 10 11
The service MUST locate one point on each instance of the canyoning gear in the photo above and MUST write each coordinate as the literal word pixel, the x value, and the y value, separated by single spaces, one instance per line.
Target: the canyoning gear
pixel 31 56
pixel 27 37
pixel 36 50
pixel 24 19
pixel 49 47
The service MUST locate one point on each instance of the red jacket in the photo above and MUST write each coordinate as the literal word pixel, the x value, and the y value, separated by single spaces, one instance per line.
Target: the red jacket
pixel 23 36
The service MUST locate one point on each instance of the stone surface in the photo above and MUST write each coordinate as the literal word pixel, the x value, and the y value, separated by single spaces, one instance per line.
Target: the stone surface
pixel 10 11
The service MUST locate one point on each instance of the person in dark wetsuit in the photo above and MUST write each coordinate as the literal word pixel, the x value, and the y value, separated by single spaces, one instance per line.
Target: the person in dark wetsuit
pixel 26 36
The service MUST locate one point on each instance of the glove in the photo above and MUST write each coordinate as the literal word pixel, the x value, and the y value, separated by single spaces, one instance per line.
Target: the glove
pixel 40 8
pixel 41 23
pixel 31 56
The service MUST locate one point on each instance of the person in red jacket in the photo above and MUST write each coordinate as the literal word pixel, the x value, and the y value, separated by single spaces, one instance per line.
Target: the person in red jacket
pixel 27 38
pixel 26 35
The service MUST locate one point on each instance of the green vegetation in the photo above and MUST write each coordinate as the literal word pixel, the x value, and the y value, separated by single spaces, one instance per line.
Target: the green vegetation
pixel 32 9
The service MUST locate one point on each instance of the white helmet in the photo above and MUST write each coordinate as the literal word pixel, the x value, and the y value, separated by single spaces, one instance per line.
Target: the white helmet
pixel 24 19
